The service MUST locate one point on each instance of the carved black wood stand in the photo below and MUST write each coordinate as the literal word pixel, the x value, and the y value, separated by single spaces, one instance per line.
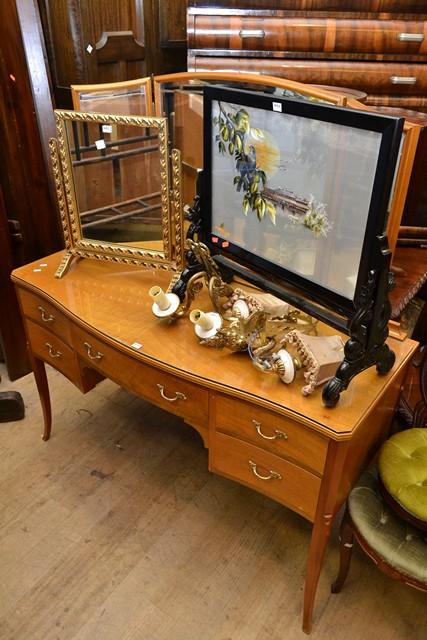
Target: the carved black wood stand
pixel 193 265
pixel 368 330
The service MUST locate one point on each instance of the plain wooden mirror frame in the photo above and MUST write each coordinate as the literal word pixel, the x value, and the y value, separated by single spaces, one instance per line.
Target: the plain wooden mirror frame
pixel 110 96
pixel 411 132
pixel 170 192
pixel 186 123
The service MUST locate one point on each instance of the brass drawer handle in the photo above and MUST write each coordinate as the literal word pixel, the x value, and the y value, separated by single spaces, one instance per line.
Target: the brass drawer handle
pixel 44 316
pixel 52 352
pixel 272 475
pixel 278 433
pixel 403 80
pixel 93 356
pixel 178 395
pixel 411 37
pixel 252 33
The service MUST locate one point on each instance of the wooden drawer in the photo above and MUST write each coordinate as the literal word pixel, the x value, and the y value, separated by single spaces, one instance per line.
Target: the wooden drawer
pixel 308 34
pixel 163 389
pixel 48 347
pixel 393 6
pixel 36 308
pixel 277 478
pixel 415 103
pixel 379 78
pixel 280 435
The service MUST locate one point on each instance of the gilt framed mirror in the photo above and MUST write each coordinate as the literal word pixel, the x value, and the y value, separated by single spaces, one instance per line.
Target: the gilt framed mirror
pixel 119 192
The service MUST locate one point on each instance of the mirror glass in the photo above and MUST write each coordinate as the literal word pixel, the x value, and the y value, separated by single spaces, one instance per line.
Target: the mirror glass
pixel 116 171
pixel 181 102
pixel 121 98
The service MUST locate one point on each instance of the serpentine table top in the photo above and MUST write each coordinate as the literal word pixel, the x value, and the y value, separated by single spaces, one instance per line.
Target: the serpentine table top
pixel 113 299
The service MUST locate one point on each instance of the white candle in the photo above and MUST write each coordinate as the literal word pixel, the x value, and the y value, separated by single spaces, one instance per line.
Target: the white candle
pixel 202 320
pixel 159 297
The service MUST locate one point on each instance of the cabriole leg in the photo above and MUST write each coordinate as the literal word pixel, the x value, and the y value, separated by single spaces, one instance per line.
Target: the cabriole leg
pixel 40 376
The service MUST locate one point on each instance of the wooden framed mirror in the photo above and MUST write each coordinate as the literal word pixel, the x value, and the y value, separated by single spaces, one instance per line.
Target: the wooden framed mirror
pixel 131 97
pixel 119 193
pixel 179 97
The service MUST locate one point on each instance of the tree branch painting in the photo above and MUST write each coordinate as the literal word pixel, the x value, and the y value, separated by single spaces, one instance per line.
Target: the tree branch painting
pixel 254 157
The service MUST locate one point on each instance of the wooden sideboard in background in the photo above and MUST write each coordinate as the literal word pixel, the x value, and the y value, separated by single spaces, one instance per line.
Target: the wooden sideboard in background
pixel 107 41
pixel 375 46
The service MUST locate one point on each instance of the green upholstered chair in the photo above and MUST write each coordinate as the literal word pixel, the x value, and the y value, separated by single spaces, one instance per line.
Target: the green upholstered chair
pixel 402 461
pixel 403 458
pixel 412 405
pixel 402 467
pixel 387 510
pixel 397 548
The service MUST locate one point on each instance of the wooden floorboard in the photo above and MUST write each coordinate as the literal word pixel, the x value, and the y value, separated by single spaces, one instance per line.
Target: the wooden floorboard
pixel 115 530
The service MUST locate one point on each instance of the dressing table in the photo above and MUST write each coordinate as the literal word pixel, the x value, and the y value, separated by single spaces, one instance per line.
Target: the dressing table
pixel 97 322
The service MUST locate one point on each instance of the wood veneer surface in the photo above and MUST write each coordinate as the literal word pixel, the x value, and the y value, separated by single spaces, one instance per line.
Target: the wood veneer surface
pixel 375 46
pixel 372 76
pixel 413 263
pixel 113 299
pixel 305 34
pixel 417 6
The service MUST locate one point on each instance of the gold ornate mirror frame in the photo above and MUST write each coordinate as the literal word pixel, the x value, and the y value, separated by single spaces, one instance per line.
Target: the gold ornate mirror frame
pixel 171 257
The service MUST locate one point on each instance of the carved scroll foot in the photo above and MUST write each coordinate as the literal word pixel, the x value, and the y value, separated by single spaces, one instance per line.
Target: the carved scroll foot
pixel 368 334
pixel 385 360
pixel 331 392
pixel 383 357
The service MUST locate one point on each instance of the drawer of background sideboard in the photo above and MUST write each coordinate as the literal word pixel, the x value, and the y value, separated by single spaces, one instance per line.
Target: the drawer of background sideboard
pixel 280 435
pixel 45 314
pixel 307 34
pixel 170 392
pixel 277 478
pixel 375 77
pixel 414 103
pixel 48 347
pixel 238 6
